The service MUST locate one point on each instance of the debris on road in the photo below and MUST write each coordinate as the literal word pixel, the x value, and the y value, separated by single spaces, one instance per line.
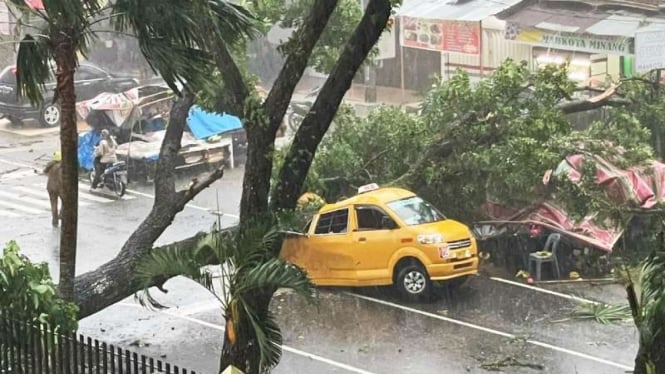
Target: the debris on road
pixel 510 362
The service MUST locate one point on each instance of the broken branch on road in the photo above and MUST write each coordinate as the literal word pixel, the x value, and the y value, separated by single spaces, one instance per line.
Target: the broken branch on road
pixel 510 362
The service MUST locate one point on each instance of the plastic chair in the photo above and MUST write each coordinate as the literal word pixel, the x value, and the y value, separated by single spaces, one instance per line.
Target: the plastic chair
pixel 540 258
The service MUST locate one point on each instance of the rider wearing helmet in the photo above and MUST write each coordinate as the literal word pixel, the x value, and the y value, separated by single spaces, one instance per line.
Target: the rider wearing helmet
pixel 104 156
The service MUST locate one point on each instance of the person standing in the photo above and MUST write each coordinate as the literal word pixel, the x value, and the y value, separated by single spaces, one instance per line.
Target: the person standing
pixel 104 156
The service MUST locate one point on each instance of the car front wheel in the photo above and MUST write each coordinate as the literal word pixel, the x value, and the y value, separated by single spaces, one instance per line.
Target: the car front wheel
pixel 50 115
pixel 413 282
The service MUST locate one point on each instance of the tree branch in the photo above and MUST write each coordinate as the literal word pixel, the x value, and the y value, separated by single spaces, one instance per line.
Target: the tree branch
pixel 184 196
pixel 306 38
pixel 605 99
pixel 112 281
pixel 317 121
pixel 168 153
pixel 442 145
pixel 577 106
pixel 235 87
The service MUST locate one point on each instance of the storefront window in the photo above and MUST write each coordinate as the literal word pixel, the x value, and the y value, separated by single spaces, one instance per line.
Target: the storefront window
pixel 579 63
pixel 627 66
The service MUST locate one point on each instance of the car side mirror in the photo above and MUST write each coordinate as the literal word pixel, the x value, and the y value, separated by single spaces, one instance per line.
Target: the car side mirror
pixel 387 223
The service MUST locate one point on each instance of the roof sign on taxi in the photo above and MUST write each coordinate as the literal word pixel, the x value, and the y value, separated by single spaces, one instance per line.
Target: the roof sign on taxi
pixel 368 187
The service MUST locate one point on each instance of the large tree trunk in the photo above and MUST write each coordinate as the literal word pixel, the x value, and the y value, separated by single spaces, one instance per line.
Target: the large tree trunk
pixel 261 136
pixel 65 59
pixel 316 123
pixel 657 356
pixel 258 168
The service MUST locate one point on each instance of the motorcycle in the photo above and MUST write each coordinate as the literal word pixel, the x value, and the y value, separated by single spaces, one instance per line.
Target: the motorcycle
pixel 114 178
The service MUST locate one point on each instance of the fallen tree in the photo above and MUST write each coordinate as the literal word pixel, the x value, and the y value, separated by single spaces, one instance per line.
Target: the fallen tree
pixel 112 281
pixel 492 141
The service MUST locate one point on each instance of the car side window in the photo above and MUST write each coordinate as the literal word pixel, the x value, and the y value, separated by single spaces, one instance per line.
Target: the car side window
pixel 371 218
pixel 336 222
pixel 87 73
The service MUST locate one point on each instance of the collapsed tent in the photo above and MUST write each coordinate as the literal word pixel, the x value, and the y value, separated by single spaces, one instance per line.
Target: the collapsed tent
pixel 86 147
pixel 640 187
pixel 204 124
pixel 119 107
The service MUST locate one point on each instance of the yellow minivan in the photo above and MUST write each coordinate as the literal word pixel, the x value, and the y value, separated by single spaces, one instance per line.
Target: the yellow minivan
pixel 384 236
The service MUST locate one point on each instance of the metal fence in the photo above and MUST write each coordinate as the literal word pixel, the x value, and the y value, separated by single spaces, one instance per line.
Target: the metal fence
pixel 31 348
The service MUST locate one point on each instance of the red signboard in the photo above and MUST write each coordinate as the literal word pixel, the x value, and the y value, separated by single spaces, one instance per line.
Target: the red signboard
pixel 441 35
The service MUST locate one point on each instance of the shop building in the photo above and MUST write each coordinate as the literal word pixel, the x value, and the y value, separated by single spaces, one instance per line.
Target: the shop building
pixel 596 38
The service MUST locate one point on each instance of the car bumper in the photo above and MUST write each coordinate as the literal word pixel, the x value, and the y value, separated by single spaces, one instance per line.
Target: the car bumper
pixel 450 270
pixel 18 111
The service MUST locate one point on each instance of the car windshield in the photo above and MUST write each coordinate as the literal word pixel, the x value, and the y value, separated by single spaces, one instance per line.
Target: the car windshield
pixel 416 211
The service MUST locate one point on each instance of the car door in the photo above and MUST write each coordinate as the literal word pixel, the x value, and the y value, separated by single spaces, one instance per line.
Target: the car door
pixel 330 246
pixel 374 242
pixel 90 82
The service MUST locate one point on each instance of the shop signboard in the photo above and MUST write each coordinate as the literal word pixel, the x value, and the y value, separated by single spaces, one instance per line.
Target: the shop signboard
pixel 440 35
pixel 649 50
pixel 570 41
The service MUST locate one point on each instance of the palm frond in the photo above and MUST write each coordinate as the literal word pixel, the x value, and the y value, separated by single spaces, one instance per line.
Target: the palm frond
pixel 603 313
pixel 32 68
pixel 653 276
pixel 173 34
pixel 274 274
pixel 268 337
pixel 158 266
pixel 652 302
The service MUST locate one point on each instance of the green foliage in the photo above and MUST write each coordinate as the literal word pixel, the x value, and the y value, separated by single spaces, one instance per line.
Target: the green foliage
pixel 493 140
pixel 170 34
pixel 27 291
pixel 647 304
pixel 342 22
pixel 651 109
pixel 249 265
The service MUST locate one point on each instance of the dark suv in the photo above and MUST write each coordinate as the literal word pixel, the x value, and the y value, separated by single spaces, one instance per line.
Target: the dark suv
pixel 90 81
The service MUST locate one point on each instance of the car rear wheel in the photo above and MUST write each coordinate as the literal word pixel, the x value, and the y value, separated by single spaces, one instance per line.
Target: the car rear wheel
pixel 413 283
pixel 50 115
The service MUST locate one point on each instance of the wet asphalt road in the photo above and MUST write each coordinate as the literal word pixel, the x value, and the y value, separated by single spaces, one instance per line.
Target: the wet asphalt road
pixel 361 331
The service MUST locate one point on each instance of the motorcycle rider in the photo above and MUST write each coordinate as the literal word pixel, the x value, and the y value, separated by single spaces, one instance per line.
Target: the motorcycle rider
pixel 104 156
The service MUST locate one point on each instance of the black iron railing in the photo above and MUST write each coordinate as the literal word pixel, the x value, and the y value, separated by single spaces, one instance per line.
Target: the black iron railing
pixel 33 348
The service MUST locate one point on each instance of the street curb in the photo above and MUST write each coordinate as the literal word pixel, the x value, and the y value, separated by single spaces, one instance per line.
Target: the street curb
pixel 6 127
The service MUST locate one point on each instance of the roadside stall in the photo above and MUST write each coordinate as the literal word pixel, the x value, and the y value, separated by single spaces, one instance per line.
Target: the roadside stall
pixel 138 119
pixel 587 243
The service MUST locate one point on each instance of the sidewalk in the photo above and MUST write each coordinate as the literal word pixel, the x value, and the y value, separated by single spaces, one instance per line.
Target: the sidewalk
pixel 356 94
pixel 32 129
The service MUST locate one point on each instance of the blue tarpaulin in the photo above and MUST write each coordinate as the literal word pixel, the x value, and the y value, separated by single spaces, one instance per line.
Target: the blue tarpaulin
pixel 87 143
pixel 204 124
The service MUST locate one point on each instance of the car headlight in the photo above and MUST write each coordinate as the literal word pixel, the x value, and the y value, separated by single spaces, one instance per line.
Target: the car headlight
pixel 430 239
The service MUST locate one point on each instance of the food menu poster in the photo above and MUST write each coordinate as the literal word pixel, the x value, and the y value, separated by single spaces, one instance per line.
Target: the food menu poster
pixel 440 35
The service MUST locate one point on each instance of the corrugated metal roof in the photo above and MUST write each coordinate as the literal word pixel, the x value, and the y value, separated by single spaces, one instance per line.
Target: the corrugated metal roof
pixel 474 10
pixel 605 23
pixel 619 25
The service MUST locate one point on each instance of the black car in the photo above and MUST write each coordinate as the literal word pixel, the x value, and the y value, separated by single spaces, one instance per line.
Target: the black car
pixel 90 81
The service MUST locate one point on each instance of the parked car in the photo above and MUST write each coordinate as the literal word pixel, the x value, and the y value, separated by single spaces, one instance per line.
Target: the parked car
pixel 384 236
pixel 90 80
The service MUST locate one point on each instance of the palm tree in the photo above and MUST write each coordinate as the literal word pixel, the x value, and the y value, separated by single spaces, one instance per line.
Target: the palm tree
pixel 248 265
pixel 649 312
pixel 170 37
